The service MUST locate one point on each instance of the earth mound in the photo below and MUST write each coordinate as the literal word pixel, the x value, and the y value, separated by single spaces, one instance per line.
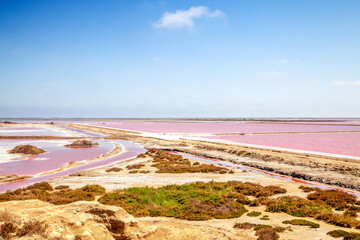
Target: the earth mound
pixel 34 219
pixel 27 149
pixel 82 143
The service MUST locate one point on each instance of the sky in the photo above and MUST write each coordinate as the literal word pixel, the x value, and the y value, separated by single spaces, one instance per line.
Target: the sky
pixel 179 58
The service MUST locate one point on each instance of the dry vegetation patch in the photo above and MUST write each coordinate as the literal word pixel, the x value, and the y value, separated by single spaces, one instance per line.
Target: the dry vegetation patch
pixel 27 149
pixel 44 192
pixel 319 205
pixel 82 143
pixel 344 234
pixel 167 162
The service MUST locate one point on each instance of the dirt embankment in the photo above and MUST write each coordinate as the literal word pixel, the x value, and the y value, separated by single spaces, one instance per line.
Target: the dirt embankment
pixel 82 143
pixel 93 221
pixel 27 149
pixel 323 169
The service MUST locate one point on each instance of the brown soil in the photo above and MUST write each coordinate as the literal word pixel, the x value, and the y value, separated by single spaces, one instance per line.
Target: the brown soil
pixel 27 149
pixel 82 143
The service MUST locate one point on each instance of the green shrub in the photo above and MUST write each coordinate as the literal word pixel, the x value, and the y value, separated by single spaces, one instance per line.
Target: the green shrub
pixel 345 235
pixel 253 214
pixel 196 201
pixel 302 222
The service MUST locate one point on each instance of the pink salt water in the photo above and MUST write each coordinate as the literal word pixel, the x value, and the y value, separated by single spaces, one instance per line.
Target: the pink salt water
pixel 56 156
pixel 35 131
pixel 130 150
pixel 333 143
pixel 221 127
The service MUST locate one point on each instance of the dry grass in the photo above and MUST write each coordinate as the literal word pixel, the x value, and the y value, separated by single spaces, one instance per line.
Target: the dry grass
pixel 267 234
pixel 245 225
pixel 44 192
pixel 315 208
pixel 167 162
pixel 114 169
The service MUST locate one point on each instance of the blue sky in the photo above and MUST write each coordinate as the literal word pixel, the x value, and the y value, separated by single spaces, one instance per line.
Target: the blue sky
pixel 67 58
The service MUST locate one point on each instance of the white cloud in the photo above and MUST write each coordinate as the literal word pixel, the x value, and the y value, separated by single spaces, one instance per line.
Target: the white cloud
pixel 282 61
pixel 270 74
pixel 342 83
pixel 185 18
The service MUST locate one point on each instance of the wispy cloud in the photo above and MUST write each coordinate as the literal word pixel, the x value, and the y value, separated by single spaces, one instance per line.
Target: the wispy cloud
pixel 342 83
pixel 282 61
pixel 270 74
pixel 185 18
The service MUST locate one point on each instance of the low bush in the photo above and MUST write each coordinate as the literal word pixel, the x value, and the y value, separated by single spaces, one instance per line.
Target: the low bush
pixel 245 225
pixel 44 192
pixel 253 214
pixel 345 235
pixel 333 198
pixel 302 222
pixel 267 234
pixel 307 189
pixel 135 166
pixel 167 162
pixel 114 169
pixel 7 230
pixel 62 187
pixel 261 226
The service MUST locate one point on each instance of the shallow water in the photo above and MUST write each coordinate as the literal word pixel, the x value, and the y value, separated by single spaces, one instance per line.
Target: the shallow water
pixel 224 127
pixel 56 156
pixel 347 144
pixel 36 131
pixel 130 150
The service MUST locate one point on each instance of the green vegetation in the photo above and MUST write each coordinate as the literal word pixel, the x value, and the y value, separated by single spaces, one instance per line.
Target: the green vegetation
pixel 265 217
pixel 302 222
pixel 44 192
pixel 345 235
pixel 196 201
pixel 253 214
pixel 167 162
